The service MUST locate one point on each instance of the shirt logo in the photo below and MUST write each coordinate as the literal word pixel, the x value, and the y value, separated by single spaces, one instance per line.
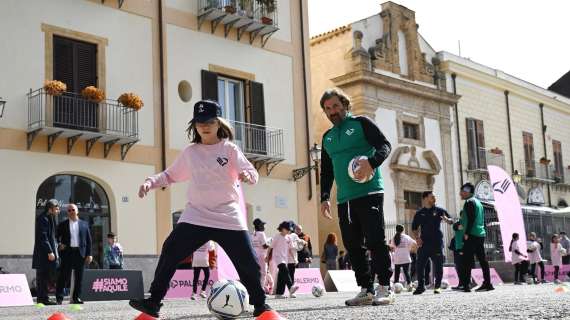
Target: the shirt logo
pixel 222 161
pixel 349 132
pixel 329 139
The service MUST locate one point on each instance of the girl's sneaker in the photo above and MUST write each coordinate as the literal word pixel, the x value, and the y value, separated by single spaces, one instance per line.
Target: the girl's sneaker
pixel 203 295
pixel 557 281
pixel 192 297
pixel 280 296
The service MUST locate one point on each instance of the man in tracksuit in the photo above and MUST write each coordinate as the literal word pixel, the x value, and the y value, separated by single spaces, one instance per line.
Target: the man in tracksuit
pixel 473 220
pixel 360 205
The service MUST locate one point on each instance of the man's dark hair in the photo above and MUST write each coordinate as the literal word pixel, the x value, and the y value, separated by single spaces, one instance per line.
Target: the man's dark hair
pixel 51 203
pixel 335 92
pixel 110 235
pixel 426 194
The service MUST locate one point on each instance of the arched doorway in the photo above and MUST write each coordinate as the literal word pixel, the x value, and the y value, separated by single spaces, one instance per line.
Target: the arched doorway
pixel 91 200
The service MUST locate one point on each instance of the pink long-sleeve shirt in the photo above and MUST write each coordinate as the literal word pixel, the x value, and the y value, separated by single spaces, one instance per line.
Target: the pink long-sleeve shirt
pixel 213 188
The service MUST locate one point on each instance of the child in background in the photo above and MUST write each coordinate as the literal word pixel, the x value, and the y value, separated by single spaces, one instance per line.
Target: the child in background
pixel 556 254
pixel 517 259
pixel 533 249
pixel 201 262
pixel 297 244
pixel 279 254
pixel 113 253
pixel 401 245
pixel 260 246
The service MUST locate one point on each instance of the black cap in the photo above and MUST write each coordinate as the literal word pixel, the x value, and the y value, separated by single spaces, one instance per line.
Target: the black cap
pixel 258 222
pixel 292 225
pixel 205 110
pixel 284 225
pixel 110 235
pixel 468 187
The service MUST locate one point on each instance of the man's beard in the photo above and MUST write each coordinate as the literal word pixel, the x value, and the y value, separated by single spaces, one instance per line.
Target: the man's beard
pixel 335 119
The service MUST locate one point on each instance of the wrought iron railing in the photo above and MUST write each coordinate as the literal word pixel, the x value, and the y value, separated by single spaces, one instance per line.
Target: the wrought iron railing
pixel 484 158
pixel 259 142
pixel 72 111
pixel 560 175
pixel 246 8
pixel 537 170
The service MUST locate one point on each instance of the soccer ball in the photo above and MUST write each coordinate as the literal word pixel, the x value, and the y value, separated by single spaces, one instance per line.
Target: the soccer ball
pixel 444 284
pixel 353 166
pixel 398 287
pixel 317 291
pixel 228 299
pixel 562 251
pixel 415 284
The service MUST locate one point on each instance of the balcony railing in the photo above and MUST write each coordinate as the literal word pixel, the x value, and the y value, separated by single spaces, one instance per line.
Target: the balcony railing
pixel 260 144
pixel 76 118
pixel 537 171
pixel 484 158
pixel 243 15
pixel 561 176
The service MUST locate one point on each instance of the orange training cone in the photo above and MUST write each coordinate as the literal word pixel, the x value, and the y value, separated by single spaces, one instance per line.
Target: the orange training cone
pixel 58 316
pixel 144 316
pixel 270 315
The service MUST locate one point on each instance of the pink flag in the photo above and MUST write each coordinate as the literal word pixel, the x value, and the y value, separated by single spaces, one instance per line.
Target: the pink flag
pixel 226 269
pixel 508 209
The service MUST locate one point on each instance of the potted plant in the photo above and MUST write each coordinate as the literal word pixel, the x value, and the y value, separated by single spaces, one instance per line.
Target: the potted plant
pixel 131 100
pixel 496 150
pixel 93 94
pixel 230 7
pixel 267 8
pixel 55 87
pixel 544 161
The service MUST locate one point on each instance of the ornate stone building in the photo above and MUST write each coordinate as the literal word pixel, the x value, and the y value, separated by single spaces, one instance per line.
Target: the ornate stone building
pixel 392 75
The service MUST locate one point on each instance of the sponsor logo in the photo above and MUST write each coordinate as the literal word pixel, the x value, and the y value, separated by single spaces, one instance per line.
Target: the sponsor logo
pixel 110 285
pixel 10 289
pixel 187 283
pixel 349 132
pixel 307 280
pixel 504 186
pixel 227 302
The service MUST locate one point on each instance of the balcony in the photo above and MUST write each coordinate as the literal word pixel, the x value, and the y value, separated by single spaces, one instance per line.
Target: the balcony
pixel 536 171
pixel 260 144
pixel 73 117
pixel 561 176
pixel 243 15
pixel 484 158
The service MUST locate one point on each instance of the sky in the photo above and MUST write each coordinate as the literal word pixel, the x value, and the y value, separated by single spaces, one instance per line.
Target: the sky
pixel 527 39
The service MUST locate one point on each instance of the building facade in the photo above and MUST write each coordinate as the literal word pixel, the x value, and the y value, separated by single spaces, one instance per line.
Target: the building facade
pixel 171 53
pixel 392 75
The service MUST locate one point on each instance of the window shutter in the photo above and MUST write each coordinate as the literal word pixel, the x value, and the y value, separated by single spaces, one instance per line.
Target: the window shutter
pixel 481 153
pixel 471 144
pixel 258 135
pixel 85 65
pixel 209 85
pixel 63 62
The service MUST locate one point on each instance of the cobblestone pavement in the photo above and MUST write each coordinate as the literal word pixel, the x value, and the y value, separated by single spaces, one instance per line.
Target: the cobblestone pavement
pixel 506 302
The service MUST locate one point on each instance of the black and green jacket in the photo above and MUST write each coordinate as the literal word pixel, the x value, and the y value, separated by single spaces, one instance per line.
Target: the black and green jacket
pixel 354 136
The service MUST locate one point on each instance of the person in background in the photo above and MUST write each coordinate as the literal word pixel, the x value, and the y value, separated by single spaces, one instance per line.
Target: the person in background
pixel 517 259
pixel 565 243
pixel 113 253
pixel 535 258
pixel 305 255
pixel 401 245
pixel 456 246
pixel 330 252
pixel 556 253
pixel 292 259
pixel 279 253
pixel 45 250
pixel 260 246
pixel 201 262
pixel 344 261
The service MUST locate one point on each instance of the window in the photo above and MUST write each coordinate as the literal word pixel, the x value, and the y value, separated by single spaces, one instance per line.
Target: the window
pixel 75 64
pixel 411 131
pixel 558 166
pixel 529 154
pixel 231 98
pixel 476 145
pixel 91 200
pixel 413 200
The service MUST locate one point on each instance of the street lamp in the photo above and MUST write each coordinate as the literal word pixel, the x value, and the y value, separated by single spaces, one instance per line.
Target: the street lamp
pixel 315 153
pixel 2 104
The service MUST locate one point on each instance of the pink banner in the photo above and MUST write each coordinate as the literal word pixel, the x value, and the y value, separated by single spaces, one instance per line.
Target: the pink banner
pixel 477 275
pixel 508 209
pixel 14 291
pixel 181 283
pixel 450 275
pixel 549 272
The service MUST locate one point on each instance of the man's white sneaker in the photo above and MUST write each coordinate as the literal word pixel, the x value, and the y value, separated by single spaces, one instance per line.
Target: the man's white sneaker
pixel 363 298
pixel 384 296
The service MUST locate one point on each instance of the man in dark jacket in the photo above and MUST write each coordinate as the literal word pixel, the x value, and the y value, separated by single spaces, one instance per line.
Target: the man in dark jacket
pixel 45 250
pixel 74 238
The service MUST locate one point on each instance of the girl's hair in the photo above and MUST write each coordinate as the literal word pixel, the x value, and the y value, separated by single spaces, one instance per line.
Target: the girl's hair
pixel 515 238
pixel 553 236
pixel 398 235
pixel 224 131
pixel 331 238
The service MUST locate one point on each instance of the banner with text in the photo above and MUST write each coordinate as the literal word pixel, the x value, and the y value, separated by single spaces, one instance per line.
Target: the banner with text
pixel 14 291
pixel 102 285
pixel 181 283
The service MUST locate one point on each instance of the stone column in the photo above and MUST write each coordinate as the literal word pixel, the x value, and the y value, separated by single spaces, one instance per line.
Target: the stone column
pixel 447 161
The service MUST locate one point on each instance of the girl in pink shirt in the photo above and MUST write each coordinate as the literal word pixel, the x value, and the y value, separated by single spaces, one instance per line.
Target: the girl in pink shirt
pixel 401 245
pixel 213 166
pixel 556 253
